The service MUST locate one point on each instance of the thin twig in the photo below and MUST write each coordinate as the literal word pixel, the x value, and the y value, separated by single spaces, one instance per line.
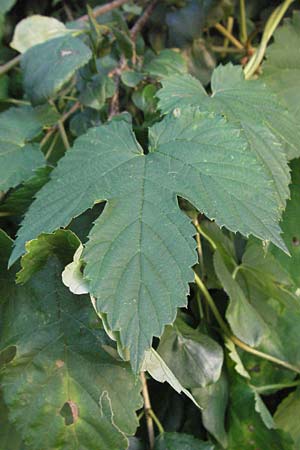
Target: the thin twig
pixel 64 117
pixel 10 64
pixel 243 22
pixel 230 22
pixel 139 24
pixel 147 407
pixel 231 38
pixel 100 10
pixel 63 134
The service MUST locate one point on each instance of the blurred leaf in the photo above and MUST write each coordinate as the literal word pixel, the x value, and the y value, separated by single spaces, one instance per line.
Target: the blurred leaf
pixel 96 91
pixel 181 441
pixel 35 30
pixel 48 66
pixel 193 357
pixel 281 70
pixel 166 63
pixel 213 401
pixel 287 416
pixel 131 78
pixel 6 5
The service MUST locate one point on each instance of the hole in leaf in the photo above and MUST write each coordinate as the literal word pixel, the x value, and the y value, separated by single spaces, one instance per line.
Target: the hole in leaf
pixel 7 355
pixel 69 412
pixel 295 241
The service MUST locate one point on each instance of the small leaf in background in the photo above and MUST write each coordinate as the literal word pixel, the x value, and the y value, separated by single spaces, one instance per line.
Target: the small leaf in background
pixel 48 66
pixel 181 441
pixel 244 320
pixel 131 78
pixel 96 91
pixel 60 378
pixel 19 200
pixel 281 70
pixel 235 357
pixel 166 63
pixel 6 5
pixel 194 358
pixel 287 416
pixel 35 30
pixel 213 400
pixel 18 157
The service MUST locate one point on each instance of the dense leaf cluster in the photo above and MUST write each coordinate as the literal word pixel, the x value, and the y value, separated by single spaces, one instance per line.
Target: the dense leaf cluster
pixel 149 225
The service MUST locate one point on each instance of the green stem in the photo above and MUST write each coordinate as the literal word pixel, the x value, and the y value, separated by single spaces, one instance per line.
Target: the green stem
pixel 235 339
pixel 200 231
pixel 156 421
pixel 276 387
pixel 10 64
pixel 243 22
pixel 270 27
pixel 63 134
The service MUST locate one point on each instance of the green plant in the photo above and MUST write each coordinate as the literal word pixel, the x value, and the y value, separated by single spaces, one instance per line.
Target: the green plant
pixel 149 209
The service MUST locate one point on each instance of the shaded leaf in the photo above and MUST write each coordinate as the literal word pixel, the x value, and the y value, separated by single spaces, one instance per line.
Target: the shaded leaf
pixel 61 387
pixel 63 243
pixel 213 401
pixel 18 157
pixel 20 199
pixel 291 228
pixel 48 66
pixel 244 321
pixel 158 369
pixel 193 357
pixel 246 429
pixel 181 441
pixel 287 416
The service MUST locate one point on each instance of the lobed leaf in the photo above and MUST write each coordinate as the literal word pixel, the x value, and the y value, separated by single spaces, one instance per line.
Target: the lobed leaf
pixel 142 234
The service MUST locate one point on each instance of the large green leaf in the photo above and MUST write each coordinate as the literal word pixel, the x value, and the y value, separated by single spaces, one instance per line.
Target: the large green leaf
pixel 48 66
pixel 194 357
pixel 287 416
pixel 142 234
pixel 267 127
pixel 281 70
pixel 181 441
pixel 18 157
pixel 62 389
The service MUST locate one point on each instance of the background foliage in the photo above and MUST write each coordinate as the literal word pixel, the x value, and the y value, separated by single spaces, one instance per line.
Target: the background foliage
pixel 149 215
